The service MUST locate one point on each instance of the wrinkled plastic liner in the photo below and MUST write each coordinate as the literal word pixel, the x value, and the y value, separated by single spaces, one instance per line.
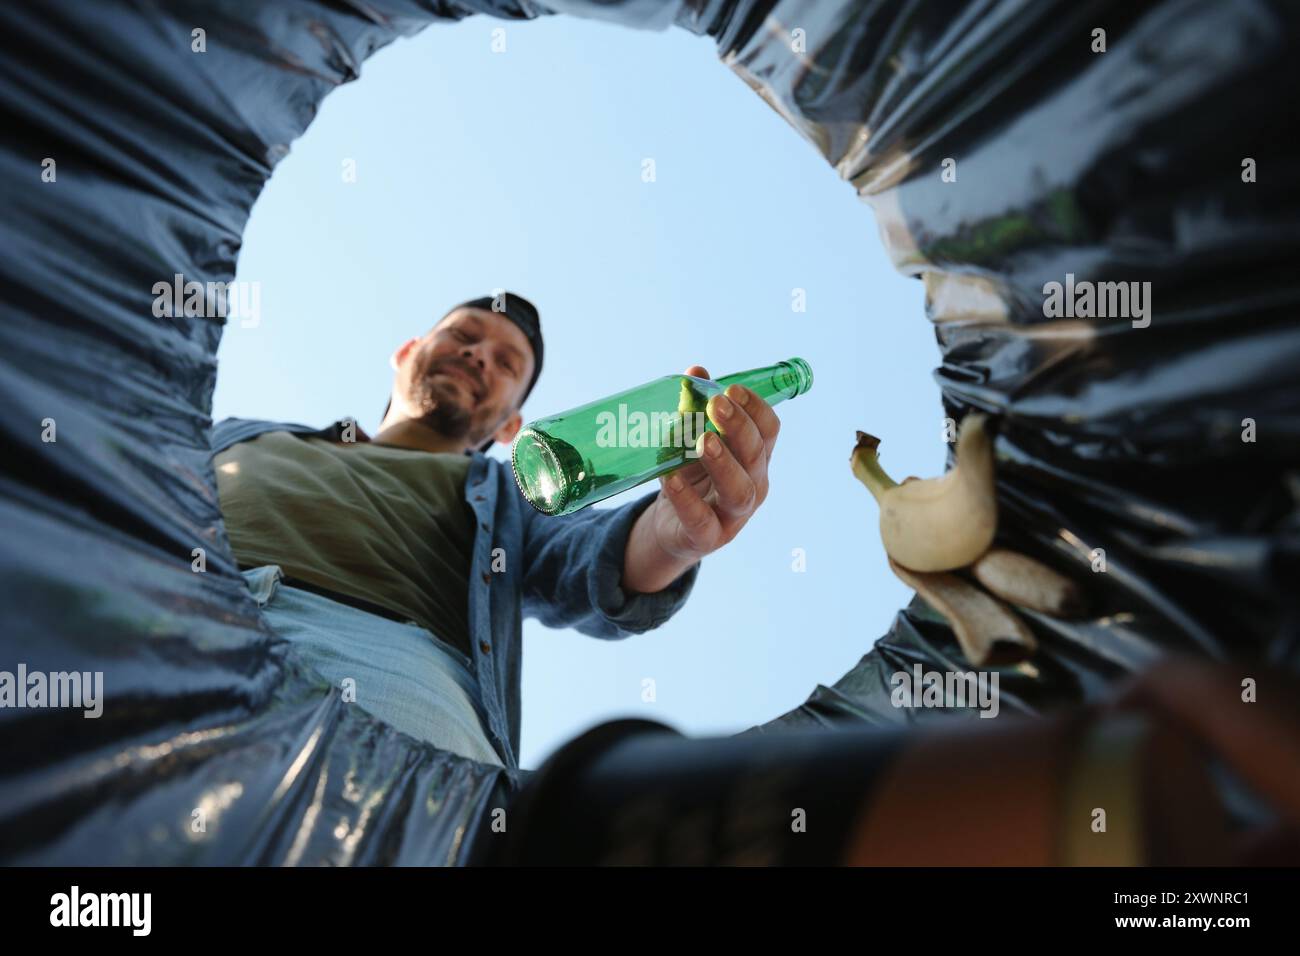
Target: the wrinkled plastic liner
pixel 216 746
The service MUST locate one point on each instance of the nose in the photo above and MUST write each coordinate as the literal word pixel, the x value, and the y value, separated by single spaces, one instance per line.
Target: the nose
pixel 471 355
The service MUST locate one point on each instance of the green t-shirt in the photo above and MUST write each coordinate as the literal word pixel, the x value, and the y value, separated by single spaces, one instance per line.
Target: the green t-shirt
pixel 384 524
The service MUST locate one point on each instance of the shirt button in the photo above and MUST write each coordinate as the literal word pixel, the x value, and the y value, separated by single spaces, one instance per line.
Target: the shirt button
pixel 480 498
pixel 484 526
pixel 487 577
pixel 485 647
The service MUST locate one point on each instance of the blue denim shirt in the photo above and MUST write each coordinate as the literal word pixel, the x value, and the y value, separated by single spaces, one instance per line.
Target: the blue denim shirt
pixel 564 571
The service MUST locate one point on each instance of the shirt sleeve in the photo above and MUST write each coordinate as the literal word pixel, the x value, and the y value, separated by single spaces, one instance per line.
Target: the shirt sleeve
pixel 575 568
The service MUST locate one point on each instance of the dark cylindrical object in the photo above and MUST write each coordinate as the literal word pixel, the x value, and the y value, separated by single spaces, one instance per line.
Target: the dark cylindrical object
pixel 631 792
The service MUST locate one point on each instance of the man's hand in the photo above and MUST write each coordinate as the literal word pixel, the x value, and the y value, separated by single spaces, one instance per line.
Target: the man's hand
pixel 703 505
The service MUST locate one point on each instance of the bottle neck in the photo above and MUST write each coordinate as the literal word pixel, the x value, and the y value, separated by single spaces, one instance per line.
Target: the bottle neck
pixel 774 383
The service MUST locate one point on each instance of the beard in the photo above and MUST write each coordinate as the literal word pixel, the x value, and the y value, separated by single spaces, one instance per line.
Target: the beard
pixel 441 409
pixel 441 406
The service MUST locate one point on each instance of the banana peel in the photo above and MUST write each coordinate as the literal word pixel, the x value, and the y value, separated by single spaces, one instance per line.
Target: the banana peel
pixel 935 524
pixel 987 630
pixel 1019 579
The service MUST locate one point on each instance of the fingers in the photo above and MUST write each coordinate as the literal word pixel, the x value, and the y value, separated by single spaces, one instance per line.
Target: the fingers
pixel 735 464
pixel 762 414
pixel 700 529
pixel 739 429
pixel 742 483
pixel 734 489
pixel 693 474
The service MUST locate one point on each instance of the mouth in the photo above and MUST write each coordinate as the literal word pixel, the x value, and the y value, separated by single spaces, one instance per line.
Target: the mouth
pixel 471 384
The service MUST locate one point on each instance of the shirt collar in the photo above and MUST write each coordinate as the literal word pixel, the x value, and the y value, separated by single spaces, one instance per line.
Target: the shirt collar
pixel 334 431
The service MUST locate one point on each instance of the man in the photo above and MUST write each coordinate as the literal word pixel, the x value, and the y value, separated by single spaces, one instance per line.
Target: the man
pixel 401 566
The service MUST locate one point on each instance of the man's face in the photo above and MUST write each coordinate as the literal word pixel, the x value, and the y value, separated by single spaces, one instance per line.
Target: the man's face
pixel 466 377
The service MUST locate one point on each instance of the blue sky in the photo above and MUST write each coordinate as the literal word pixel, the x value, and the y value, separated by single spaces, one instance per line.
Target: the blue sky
pixel 478 170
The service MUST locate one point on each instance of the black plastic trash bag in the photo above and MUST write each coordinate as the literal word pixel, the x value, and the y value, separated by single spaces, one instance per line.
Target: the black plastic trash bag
pixel 128 157
pixel 1162 448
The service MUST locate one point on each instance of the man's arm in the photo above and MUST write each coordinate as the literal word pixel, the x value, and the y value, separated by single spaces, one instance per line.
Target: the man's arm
pixel 575 573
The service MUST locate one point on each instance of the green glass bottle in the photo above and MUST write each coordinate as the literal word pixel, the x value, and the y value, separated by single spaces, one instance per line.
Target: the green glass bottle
pixel 569 461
